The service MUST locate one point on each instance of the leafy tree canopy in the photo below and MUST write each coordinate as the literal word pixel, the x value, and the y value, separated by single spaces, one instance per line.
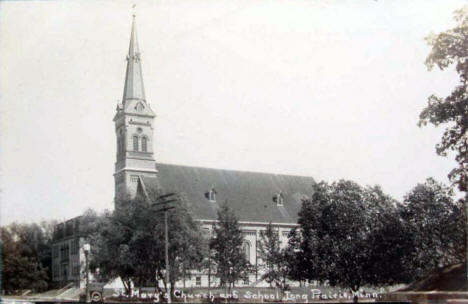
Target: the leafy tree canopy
pixel 226 243
pixel 344 237
pixel 24 248
pixel 451 48
pixel 129 243
pixel 435 220
pixel 276 267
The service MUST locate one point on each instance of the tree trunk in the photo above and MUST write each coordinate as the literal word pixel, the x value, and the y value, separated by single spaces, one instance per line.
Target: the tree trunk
pixel 355 294
pixel 127 286
pixel 183 264
pixel 171 292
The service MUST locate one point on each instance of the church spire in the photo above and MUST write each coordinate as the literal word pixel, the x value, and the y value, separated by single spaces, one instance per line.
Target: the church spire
pixel 134 88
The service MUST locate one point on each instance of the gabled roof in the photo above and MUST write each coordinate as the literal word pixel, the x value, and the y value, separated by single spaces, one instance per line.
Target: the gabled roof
pixel 249 194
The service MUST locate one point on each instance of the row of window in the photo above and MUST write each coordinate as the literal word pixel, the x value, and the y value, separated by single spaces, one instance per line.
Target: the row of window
pixel 64 249
pixel 136 144
pixel 66 229
pixel 140 144
pixel 75 271
pixel 277 198
pixel 206 232
pixel 246 247
pixel 198 281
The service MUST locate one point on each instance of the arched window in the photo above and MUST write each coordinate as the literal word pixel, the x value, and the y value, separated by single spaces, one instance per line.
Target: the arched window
pixel 144 147
pixel 135 143
pixel 211 195
pixel 246 249
pixel 119 145
pixel 279 199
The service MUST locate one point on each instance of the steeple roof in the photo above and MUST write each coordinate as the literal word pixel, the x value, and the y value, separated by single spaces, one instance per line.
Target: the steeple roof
pixel 134 88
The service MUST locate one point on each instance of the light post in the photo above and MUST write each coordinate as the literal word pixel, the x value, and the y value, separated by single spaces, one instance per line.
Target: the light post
pixel 86 249
pixel 166 254
pixel 164 200
pixel 209 267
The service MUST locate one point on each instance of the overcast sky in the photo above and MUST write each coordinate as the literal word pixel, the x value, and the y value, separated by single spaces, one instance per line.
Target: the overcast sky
pixel 328 89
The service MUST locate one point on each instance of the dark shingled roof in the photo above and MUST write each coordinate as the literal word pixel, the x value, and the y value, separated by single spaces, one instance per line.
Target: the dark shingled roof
pixel 249 194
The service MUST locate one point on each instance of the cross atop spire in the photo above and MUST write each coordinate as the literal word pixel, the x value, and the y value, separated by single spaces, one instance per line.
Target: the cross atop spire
pixel 134 88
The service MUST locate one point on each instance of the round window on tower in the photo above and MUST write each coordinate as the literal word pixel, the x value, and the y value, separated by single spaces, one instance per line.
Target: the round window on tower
pixel 139 130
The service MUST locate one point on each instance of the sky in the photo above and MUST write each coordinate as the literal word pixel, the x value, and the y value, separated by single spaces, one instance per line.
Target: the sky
pixel 328 89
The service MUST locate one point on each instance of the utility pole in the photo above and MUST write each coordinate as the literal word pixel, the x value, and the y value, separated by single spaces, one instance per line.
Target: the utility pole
pixel 209 266
pixel 166 249
pixel 87 249
pixel 164 200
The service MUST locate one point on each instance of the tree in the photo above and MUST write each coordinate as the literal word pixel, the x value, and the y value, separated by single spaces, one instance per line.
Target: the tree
pixel 389 239
pixel 293 256
pixel 109 238
pixel 274 257
pixel 451 48
pixel 34 244
pixel 21 268
pixel 435 220
pixel 314 244
pixel 345 237
pixel 186 243
pixel 129 244
pixel 124 244
pixel 226 243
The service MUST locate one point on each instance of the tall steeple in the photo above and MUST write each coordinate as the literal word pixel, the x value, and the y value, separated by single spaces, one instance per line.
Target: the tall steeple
pixel 134 88
pixel 134 128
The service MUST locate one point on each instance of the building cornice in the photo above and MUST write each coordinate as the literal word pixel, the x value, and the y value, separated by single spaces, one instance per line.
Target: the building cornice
pixel 136 170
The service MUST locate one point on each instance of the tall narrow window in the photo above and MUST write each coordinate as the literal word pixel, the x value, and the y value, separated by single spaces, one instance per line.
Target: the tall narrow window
pixel 280 199
pixel 144 145
pixel 247 251
pixel 212 195
pixel 135 143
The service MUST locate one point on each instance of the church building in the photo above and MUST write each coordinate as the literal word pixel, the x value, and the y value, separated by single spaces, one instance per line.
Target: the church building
pixel 256 198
